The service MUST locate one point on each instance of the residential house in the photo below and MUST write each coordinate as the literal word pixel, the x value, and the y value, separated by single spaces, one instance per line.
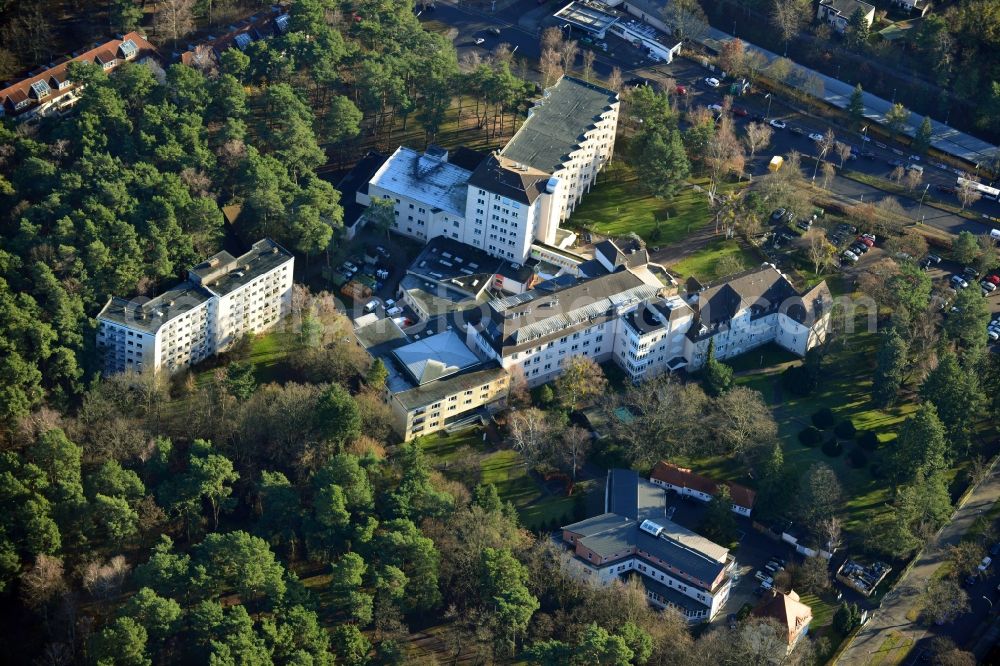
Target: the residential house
pixel 689 484
pixel 50 90
pixel 224 298
pixel 838 13
pixel 788 611
pixel 679 568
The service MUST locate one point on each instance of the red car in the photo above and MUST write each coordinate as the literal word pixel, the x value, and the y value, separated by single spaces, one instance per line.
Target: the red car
pixel 681 90
pixel 740 111
pixel 867 241
pixel 994 279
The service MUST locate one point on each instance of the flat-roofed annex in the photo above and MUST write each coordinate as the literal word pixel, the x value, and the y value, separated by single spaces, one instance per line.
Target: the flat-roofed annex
pixel 435 357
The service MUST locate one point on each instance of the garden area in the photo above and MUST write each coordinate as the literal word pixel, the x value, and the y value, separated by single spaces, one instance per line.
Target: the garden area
pixel 619 204
pixel 719 258
pixel 835 424
pixel 465 457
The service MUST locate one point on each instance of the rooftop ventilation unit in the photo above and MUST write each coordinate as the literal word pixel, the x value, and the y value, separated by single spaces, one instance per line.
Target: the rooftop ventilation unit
pixel 651 528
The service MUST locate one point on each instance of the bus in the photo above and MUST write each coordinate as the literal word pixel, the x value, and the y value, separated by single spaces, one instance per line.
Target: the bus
pixel 987 191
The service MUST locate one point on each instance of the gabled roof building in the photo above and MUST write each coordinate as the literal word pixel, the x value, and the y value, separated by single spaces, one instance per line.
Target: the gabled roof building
pixel 679 568
pixel 48 91
pixel 788 610
pixel 689 484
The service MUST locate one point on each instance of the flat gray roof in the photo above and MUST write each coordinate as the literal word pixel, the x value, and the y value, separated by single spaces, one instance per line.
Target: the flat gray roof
pixel 435 357
pixel 428 394
pixel 557 123
pixel 149 316
pixel 265 256
pixel 424 178
pixel 588 15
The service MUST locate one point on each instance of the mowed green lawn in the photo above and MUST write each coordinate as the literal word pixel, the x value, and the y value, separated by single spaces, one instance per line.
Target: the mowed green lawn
pixel 707 263
pixel 619 205
pixel 845 389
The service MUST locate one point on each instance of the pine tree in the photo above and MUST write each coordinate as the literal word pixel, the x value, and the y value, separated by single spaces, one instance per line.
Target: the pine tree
pixel 717 377
pixel 922 139
pixel 890 369
pixel 856 107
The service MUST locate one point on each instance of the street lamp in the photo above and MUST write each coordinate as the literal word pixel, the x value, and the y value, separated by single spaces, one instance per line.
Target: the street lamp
pixel 893 95
pixel 768 98
pixel 922 198
pixel 987 600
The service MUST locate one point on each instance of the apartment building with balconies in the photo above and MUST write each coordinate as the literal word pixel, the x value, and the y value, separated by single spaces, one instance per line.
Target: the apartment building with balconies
pixel 223 299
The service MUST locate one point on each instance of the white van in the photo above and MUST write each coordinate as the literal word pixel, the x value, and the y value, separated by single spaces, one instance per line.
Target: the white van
pixel 985 564
pixel 370 306
pixel 995 234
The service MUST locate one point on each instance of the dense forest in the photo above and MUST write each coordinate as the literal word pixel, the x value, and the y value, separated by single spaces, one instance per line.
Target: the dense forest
pixel 209 519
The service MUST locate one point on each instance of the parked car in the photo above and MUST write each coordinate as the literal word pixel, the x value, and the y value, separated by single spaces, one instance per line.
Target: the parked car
pixel 382 251
pixel 797 130
pixel 712 82
pixel 958 282
pixel 715 108
pixel 992 334
pixel 934 259
pixel 815 136
pixel 988 286
pixel 772 568
pixel 867 241
pixel 970 273
pixel 394 311
pixel 804 225
pixel 681 90
pixel 778 124
pixel 760 575
pixel 371 305
pixel 995 279
pixel 871 237
pixel 985 564
pixel 740 111
pixel 915 167
pixel 850 256
pixel 777 215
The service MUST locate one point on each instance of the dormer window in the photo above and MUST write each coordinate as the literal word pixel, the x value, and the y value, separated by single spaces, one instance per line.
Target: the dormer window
pixel 40 89
pixel 128 49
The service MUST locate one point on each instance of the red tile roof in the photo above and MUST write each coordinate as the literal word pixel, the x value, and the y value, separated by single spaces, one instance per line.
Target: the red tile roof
pixel 107 52
pixel 685 478
pixel 793 615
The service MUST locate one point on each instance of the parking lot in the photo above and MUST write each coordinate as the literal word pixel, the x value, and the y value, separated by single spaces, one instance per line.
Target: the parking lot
pixel 755 551
pixel 379 264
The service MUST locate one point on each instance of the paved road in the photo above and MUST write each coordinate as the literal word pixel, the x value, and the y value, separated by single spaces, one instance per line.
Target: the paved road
pixel 520 25
pixel 837 93
pixel 891 616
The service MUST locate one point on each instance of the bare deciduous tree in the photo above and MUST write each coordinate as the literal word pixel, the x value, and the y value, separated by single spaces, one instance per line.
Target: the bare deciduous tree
pixel 588 64
pixel 757 137
pixel 43 582
pixel 530 432
pixel 843 152
pixel 685 19
pixel 615 79
pixel 913 178
pixel 968 194
pixel 569 51
pixel 820 251
pixel 552 38
pixel 174 19
pixel 105 580
pixel 829 173
pixel 788 16
pixel 723 155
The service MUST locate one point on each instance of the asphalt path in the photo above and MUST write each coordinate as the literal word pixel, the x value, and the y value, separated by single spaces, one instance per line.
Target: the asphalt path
pixel 891 617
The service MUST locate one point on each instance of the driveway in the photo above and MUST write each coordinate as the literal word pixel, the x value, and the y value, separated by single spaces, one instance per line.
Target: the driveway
pixel 891 617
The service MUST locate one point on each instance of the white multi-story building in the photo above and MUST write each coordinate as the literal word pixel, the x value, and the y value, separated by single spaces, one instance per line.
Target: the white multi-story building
pixel 635 318
pixel 428 191
pixel 570 135
pixel 514 198
pixel 678 568
pixel 224 298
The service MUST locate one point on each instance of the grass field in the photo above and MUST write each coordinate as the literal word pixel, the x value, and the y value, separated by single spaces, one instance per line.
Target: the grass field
pixel 707 264
pixel 619 204
pixel 845 388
